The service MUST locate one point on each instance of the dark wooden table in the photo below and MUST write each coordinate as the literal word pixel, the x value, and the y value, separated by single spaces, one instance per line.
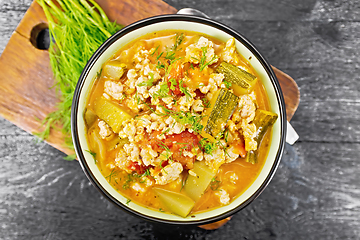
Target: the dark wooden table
pixel 315 193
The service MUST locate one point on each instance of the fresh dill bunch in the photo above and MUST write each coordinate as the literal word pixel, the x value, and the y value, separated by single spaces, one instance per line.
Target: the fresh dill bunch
pixel 77 28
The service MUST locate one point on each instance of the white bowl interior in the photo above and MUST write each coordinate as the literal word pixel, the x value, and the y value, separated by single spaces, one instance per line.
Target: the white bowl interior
pixel 189 26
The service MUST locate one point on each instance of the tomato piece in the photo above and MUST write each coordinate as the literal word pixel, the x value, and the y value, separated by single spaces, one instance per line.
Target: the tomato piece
pixel 197 77
pixel 239 146
pixel 154 142
pixel 178 143
pixel 199 94
pixel 135 167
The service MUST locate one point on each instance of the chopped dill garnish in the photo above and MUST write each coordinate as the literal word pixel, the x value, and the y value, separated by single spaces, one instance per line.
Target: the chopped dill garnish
pixel 135 177
pixel 215 184
pixel 167 154
pixel 93 154
pixel 113 173
pixel 184 90
pixel 222 145
pixel 205 102
pixel 137 98
pixel 162 92
pixel 207 145
pixel 227 84
pixel 146 173
pixel 191 119
pixel 155 50
pixel 129 180
pixel 160 65
pixel 173 83
pixel 159 56
pixel 160 165
pixel 196 59
pixel 165 131
pixel 170 55
pixel 182 184
pixel 98 74
pixel 149 82
pixel 203 62
pixel 72 25
pixel 226 134
pixel 178 40
pixel 182 149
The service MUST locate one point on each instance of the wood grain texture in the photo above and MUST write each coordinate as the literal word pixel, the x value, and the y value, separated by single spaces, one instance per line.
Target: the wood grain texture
pixel 130 11
pixel 315 191
pixel 290 91
pixel 26 92
pixel 28 100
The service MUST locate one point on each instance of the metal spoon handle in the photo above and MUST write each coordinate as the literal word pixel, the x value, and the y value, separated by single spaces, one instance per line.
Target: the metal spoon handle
pixel 191 11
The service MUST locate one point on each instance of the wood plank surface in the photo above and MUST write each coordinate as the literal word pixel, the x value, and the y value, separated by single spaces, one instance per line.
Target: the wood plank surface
pixel 315 191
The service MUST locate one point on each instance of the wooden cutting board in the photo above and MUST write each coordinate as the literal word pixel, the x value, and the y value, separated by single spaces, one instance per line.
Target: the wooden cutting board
pixel 26 93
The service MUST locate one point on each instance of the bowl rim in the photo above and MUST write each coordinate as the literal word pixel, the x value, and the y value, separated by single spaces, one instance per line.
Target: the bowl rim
pixel 188 18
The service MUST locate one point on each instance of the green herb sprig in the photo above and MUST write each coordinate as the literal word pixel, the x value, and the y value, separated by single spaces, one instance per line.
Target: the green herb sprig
pixel 77 28
pixel 184 90
pixel 215 184
pixel 93 154
pixel 113 173
pixel 149 82
pixel 178 40
pixel 192 119
pixel 203 62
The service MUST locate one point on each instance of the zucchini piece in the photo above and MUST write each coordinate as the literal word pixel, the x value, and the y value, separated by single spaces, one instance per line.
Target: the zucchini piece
pixel 222 106
pixel 195 186
pixel 90 117
pixel 116 142
pixel 177 203
pixel 263 121
pixel 96 145
pixel 242 82
pixel 111 113
pixel 114 69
